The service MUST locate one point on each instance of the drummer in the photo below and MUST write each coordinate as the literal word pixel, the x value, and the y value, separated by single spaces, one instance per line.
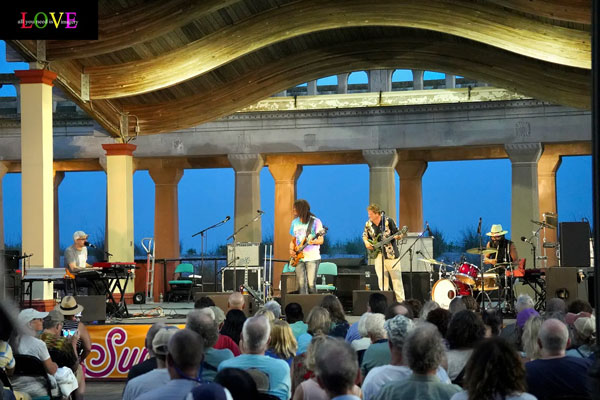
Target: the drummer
pixel 507 252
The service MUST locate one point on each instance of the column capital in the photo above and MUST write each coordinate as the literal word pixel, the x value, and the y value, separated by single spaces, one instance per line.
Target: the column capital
pixel 411 169
pixel 119 149
pixel 549 163
pixel 36 76
pixel 3 169
pixel 166 176
pixel 242 162
pixel 381 158
pixel 524 153
pixel 285 172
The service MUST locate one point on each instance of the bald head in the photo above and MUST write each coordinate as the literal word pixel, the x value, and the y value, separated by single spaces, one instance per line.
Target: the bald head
pixel 553 338
pixel 236 301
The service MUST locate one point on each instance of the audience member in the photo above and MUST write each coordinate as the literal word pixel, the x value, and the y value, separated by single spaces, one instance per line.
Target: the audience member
pixel 360 345
pixel 584 336
pixel 185 350
pixel 415 307
pixel 336 369
pixel 456 305
pixel 150 363
pixel 319 323
pixel 265 313
pixel 398 309
pixel 236 301
pixel 555 374
pixel 378 353
pixel 209 391
pixel 274 307
pixel 239 383
pixel 464 331
pixel 377 304
pixel 295 317
pixel 206 327
pixel 62 350
pixel 224 341
pixel 204 302
pixel 556 306
pixel 339 326
pixel 510 332
pixel 158 376
pixel 470 303
pixel 397 329
pixel 522 317
pixel 492 320
pixel 494 371
pixel 232 327
pixel 429 306
pixel 578 306
pixel 423 352
pixel 440 318
pixel 531 348
pixel 254 343
pixel 283 344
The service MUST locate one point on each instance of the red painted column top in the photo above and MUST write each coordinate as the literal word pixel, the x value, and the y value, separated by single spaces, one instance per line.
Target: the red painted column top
pixel 36 76
pixel 119 149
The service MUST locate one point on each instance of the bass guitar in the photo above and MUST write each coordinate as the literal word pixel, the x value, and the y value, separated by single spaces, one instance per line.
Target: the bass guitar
pixel 294 260
pixel 378 242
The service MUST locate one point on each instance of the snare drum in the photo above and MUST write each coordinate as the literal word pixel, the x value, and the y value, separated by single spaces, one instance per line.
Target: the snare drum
pixel 490 281
pixel 467 273
pixel 443 292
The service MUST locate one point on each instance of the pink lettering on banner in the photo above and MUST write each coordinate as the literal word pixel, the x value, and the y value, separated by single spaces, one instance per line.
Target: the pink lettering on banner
pixel 109 356
pixel 71 22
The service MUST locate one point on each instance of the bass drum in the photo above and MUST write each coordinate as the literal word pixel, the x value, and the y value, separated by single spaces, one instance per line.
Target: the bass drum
pixel 443 292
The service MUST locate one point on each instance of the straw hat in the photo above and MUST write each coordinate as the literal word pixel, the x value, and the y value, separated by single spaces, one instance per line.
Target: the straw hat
pixel 68 306
pixel 496 230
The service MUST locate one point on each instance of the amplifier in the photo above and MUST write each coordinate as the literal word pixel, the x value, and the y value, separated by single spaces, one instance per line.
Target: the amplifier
pixel 253 277
pixel 246 254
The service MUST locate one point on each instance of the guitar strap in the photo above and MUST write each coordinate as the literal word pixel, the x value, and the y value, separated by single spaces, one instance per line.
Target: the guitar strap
pixel 309 227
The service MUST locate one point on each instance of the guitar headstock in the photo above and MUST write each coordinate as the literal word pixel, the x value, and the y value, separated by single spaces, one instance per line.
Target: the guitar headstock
pixel 322 232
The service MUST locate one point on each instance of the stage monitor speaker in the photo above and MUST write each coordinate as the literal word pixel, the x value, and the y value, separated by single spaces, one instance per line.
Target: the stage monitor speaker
pixel 220 300
pixel 420 286
pixel 94 308
pixel 254 276
pixel 565 283
pixel 360 299
pixel 574 244
pixel 306 301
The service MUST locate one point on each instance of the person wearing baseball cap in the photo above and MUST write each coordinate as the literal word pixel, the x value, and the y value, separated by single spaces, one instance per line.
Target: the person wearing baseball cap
pixel 506 250
pixel 76 255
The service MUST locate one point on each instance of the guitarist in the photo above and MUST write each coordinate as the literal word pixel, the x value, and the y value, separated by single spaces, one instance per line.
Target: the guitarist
pixel 304 228
pixel 380 226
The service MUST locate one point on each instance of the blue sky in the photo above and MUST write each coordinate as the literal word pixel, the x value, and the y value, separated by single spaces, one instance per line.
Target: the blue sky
pixel 455 194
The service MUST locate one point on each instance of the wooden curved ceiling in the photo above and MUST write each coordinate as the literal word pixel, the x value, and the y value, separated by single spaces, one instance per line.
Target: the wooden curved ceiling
pixel 179 63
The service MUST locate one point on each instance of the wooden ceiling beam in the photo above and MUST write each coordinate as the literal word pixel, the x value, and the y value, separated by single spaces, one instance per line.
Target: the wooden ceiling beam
pixel 480 22
pixel 544 81
pixel 136 25
pixel 578 11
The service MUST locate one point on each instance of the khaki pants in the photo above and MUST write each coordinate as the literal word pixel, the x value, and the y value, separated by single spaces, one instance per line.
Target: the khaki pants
pixel 396 275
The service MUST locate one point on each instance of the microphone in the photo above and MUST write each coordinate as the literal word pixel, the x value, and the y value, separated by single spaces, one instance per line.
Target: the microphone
pixel 523 238
pixel 428 229
pixel 88 244
pixel 227 218
pixel 479 227
pixel 260 212
pixel 419 252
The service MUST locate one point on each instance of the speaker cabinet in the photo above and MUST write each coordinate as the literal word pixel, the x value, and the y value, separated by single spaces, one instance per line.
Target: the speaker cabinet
pixel 574 244
pixel 360 299
pixel 220 299
pixel 420 286
pixel 94 308
pixel 566 283
pixel 306 301
pixel 240 277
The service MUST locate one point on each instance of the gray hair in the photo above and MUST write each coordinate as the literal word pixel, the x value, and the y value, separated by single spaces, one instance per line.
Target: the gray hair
pixel 554 336
pixel 427 307
pixel 274 307
pixel 523 301
pixel 255 334
pixel 152 331
pixel 398 329
pixel 205 326
pixel 204 311
pixel 424 350
pixel 457 305
pixel 186 349
pixel 374 326
pixel 336 366
pixel 362 329
pixel 556 305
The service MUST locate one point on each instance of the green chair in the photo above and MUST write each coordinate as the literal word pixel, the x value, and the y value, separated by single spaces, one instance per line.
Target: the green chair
pixel 326 269
pixel 182 284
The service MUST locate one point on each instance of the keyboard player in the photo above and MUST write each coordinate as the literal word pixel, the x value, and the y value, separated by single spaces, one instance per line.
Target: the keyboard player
pixel 76 266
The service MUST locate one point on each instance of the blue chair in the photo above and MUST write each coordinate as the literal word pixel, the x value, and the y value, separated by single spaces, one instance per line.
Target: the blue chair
pixel 184 282
pixel 326 269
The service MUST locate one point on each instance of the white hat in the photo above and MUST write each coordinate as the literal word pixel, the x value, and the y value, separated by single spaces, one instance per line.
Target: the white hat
pixel 161 340
pixel 496 231
pixel 29 314
pixel 80 235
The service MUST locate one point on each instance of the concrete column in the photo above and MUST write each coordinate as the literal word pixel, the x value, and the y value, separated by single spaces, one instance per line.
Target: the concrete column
pixel 380 80
pixel 119 200
pixel 417 79
pixel 525 198
pixel 285 176
pixel 411 193
pixel 382 182
pixel 547 167
pixel 450 81
pixel 247 194
pixel 342 85
pixel 3 171
pixel 58 178
pixel 311 88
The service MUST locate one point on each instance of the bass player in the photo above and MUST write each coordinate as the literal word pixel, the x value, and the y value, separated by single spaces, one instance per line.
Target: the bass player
pixel 378 227
pixel 303 229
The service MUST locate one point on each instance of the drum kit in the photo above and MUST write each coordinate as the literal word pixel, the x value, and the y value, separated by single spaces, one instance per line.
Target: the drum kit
pixel 463 279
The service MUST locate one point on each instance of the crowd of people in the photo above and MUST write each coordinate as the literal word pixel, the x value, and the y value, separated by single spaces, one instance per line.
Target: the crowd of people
pixel 405 350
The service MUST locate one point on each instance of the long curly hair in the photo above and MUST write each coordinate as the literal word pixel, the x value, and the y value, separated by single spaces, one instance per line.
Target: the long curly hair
pixel 333 305
pixel 494 371
pixel 303 209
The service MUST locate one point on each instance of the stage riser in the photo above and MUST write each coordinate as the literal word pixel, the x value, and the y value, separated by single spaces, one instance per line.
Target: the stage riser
pixel 220 299
pixel 360 300
pixel 306 301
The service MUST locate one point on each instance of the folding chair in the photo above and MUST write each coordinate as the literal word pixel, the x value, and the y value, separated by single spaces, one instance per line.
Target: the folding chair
pixel 326 269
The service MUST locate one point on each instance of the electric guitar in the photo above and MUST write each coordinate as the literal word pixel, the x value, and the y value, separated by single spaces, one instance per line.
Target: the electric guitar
pixel 378 242
pixel 294 260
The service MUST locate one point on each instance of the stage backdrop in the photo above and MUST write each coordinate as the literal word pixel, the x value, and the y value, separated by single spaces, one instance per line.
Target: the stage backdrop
pixel 115 349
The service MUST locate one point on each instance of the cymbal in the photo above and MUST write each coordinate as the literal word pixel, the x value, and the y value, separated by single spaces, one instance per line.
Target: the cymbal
pixel 477 250
pixel 430 261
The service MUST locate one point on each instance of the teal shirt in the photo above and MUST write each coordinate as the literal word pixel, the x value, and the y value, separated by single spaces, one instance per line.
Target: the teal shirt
pixel 418 387
pixel 212 359
pixel 376 355
pixel 298 328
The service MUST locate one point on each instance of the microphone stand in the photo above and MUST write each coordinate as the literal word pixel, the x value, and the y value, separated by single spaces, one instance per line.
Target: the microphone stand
pixel 203 239
pixel 232 236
